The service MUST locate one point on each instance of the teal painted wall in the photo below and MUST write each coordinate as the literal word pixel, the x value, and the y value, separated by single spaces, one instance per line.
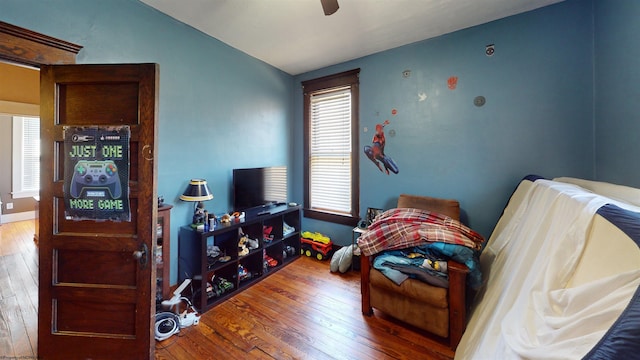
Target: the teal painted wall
pixel 538 115
pixel 560 90
pixel 219 108
pixel 617 90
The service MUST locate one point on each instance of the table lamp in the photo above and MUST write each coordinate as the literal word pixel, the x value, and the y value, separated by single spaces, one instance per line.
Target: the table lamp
pixel 197 191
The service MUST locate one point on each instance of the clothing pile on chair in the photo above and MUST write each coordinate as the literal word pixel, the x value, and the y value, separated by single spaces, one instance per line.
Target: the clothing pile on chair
pixel 412 242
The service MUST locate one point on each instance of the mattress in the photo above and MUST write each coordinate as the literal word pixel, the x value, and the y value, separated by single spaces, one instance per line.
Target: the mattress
pixel 562 275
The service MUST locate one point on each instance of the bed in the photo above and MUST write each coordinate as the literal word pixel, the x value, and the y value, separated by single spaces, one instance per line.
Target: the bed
pixel 561 275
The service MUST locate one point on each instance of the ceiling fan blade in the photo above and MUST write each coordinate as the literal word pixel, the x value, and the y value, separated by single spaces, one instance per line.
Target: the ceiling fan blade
pixel 329 6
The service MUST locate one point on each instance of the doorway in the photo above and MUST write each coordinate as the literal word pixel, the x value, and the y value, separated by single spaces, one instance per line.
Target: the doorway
pixel 19 96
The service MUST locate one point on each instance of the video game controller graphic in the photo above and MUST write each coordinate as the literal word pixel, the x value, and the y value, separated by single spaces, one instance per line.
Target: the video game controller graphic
pixel 96 175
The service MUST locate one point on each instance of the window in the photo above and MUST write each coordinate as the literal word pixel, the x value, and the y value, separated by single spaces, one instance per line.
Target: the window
pixel 275 183
pixel 331 140
pixel 26 157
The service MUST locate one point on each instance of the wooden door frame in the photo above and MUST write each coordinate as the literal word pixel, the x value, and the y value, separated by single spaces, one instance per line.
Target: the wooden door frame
pixel 26 47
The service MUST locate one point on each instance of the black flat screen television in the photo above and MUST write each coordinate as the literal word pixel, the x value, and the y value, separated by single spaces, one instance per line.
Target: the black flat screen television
pixel 255 187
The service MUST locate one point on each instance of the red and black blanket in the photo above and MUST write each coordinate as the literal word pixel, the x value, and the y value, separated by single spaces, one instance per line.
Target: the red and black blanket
pixel 401 228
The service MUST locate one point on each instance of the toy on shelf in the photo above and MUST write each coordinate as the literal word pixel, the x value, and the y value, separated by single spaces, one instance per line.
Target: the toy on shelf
pixel 218 286
pixel 242 246
pixel 271 262
pixel 288 251
pixel 244 274
pixel 315 244
pixel 246 244
pixel 267 236
pixel 287 229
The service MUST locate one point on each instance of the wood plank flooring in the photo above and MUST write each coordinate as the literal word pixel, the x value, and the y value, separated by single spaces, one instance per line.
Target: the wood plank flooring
pixel 300 312
pixel 18 291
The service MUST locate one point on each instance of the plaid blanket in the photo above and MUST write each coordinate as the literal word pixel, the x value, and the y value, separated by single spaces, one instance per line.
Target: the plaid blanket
pixel 400 228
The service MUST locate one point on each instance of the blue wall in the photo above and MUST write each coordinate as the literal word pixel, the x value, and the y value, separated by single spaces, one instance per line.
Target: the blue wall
pixel 219 108
pixel 538 115
pixel 617 91
pixel 561 93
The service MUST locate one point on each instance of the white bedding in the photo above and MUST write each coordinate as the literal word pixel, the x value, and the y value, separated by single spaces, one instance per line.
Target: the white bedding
pixel 526 310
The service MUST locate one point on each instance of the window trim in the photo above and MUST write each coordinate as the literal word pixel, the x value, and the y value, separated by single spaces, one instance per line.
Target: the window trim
pixel 346 78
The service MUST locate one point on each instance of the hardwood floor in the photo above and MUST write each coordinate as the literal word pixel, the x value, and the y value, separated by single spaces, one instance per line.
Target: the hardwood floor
pixel 300 312
pixel 18 291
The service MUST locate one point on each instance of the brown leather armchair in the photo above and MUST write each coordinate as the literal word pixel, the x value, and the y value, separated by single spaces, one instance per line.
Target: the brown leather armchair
pixel 437 310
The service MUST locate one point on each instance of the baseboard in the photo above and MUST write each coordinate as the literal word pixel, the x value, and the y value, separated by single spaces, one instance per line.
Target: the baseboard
pixel 21 216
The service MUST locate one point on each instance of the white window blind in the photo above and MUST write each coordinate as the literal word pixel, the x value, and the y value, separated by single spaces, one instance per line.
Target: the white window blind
pixel 330 151
pixel 26 156
pixel 275 184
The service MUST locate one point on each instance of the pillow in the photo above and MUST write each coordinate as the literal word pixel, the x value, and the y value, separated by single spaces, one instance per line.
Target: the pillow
pixel 341 260
pixel 451 208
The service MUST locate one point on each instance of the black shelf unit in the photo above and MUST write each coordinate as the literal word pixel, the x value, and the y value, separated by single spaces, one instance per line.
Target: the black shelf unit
pixel 207 273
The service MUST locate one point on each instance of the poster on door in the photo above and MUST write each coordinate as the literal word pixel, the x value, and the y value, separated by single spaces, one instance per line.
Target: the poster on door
pixel 96 168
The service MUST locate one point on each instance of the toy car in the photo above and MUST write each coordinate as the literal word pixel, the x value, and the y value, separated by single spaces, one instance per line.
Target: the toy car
pixel 224 284
pixel 319 246
pixel 218 286
pixel 271 262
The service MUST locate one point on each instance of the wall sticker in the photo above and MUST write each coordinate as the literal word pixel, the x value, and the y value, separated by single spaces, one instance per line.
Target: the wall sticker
pixel 452 83
pixel 375 151
pixel 490 49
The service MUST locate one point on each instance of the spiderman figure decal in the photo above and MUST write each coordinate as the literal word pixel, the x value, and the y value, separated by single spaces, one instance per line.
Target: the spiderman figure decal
pixel 375 151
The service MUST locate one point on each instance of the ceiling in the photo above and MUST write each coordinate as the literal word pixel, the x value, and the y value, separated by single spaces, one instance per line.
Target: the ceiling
pixel 295 35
